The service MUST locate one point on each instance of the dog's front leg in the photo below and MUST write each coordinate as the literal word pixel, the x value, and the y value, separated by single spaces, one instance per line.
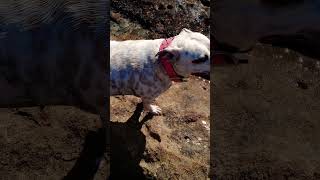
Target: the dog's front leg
pixel 148 106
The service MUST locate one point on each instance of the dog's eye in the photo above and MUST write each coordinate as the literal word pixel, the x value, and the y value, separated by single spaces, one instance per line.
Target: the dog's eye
pixel 201 60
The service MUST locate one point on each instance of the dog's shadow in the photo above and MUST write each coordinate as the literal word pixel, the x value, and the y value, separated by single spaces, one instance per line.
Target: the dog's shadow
pixel 127 147
pixel 92 153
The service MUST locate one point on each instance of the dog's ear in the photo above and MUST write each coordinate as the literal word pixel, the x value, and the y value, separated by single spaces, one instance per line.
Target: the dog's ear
pixel 185 30
pixel 171 53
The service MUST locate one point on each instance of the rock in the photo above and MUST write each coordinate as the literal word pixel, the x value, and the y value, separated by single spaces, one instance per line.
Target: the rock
pixel 260 133
pixel 157 16
pixel 176 143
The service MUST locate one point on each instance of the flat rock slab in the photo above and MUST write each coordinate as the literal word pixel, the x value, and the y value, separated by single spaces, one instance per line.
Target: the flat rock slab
pixel 266 117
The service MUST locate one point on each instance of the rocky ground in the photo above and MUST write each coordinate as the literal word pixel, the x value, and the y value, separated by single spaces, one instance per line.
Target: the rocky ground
pixel 49 144
pixel 176 144
pixel 133 19
pixel 64 141
pixel 266 117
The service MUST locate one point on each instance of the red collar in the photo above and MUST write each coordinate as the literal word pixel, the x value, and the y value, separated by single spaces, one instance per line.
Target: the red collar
pixel 166 64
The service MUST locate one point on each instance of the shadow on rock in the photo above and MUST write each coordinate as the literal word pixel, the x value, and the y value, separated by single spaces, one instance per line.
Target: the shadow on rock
pixel 87 164
pixel 127 147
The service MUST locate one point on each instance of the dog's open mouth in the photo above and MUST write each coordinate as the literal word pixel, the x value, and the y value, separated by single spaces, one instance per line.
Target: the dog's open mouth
pixel 200 60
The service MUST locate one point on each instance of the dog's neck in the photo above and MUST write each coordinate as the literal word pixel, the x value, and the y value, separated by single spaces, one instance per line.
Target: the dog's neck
pixel 161 74
pixel 166 64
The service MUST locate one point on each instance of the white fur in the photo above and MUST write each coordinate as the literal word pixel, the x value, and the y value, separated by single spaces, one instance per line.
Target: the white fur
pixel 135 68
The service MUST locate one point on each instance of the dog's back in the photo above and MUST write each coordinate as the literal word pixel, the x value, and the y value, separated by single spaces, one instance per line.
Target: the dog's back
pixel 130 61
pixel 133 52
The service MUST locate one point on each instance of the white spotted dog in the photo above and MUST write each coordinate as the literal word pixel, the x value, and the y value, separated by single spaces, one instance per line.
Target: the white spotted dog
pixel 146 68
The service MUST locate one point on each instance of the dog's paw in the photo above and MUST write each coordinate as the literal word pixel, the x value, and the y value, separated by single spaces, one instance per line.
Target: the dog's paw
pixel 156 110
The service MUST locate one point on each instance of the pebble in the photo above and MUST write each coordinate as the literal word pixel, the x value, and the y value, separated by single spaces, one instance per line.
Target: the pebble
pixel 199 139
pixel 197 143
pixel 300 60
pixel 207 128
